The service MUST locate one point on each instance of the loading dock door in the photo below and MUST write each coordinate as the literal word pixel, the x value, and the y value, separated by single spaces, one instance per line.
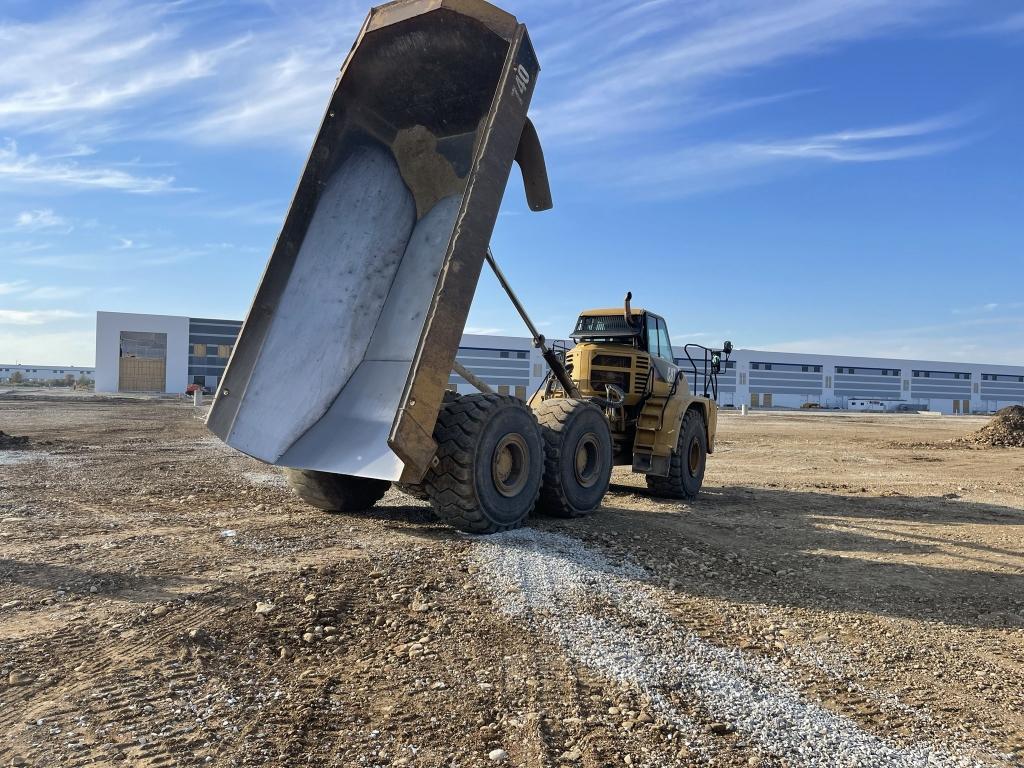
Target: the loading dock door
pixel 142 366
pixel 140 374
pixel 754 400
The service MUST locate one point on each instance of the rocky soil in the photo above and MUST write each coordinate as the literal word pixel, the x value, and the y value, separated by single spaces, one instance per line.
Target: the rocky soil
pixel 1006 429
pixel 832 599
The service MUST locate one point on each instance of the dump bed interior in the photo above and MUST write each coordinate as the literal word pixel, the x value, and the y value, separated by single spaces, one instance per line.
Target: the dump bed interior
pixel 343 359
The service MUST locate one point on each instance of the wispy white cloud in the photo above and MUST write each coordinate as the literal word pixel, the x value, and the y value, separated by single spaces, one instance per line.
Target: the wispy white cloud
pixel 1009 25
pixel 34 169
pixel 480 331
pixel 46 346
pixel 97 58
pixel 259 76
pixel 144 256
pixel 989 307
pixel 721 165
pixel 981 339
pixel 33 221
pixel 22 290
pixel 36 316
pixel 676 64
pixel 55 292
pixel 13 287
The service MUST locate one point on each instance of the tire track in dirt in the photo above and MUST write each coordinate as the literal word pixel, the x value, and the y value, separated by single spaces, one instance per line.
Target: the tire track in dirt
pixel 605 617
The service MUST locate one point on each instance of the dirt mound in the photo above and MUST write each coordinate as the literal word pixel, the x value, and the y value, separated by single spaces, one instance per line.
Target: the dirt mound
pixel 1006 429
pixel 8 442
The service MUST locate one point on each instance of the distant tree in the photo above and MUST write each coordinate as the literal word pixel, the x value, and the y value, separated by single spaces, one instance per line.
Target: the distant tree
pixel 84 381
pixel 69 379
pixel 17 378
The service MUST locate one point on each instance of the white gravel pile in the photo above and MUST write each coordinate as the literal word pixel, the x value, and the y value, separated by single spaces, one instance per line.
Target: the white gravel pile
pixel 606 618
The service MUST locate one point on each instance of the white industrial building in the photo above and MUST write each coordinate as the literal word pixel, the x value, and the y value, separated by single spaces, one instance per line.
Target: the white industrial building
pixel 163 353
pixel 43 374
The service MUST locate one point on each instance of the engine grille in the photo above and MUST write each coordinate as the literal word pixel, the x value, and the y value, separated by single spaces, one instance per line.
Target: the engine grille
pixel 611 361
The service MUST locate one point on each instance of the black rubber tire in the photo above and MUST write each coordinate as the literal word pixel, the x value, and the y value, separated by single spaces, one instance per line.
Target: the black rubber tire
pixel 336 493
pixel 684 481
pixel 472 433
pixel 416 491
pixel 572 430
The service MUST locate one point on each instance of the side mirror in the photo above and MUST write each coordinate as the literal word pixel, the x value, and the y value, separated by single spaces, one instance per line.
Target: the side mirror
pixel 727 347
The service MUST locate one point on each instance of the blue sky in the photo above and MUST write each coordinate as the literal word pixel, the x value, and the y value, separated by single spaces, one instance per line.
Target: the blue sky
pixel 797 175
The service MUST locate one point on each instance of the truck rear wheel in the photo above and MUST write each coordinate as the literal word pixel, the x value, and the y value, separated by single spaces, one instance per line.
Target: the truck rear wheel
pixel 332 492
pixel 578 456
pixel 490 462
pixel 686 468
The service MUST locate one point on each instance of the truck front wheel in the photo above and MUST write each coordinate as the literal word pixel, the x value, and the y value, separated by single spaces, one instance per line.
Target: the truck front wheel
pixel 686 468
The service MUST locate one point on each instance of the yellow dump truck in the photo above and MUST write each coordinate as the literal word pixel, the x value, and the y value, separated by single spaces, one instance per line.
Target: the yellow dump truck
pixel 340 373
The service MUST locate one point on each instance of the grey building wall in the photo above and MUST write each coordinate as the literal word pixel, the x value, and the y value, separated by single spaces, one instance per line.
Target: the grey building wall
pixel 217 338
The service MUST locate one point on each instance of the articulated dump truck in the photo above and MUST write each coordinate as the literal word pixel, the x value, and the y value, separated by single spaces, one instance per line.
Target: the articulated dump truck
pixel 340 373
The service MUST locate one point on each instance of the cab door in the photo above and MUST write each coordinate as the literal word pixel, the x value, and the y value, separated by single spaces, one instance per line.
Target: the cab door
pixel 660 346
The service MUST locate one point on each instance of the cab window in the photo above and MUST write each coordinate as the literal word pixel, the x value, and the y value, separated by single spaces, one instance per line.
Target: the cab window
pixel 658 342
pixel 664 342
pixel 652 336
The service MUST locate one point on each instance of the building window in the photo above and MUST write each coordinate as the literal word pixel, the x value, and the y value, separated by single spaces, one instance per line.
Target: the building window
pixel 199 350
pixel 504 354
pixel 522 355
pixel 536 369
pixel 828 382
pixel 743 378
pixel 503 389
pixel 755 366
pixel 223 350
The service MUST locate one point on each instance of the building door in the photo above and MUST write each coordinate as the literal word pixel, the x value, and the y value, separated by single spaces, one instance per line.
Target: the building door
pixel 767 399
pixel 141 374
pixel 142 364
pixel 956 407
pixel 754 400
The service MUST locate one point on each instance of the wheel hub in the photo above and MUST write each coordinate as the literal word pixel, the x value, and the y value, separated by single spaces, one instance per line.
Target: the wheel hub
pixel 510 465
pixel 694 457
pixel 587 461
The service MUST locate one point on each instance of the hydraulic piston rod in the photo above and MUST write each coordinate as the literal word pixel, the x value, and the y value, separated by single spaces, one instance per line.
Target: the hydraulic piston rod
pixel 556 366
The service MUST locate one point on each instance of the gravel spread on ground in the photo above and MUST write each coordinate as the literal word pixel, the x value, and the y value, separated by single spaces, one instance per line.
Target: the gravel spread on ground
pixel 607 618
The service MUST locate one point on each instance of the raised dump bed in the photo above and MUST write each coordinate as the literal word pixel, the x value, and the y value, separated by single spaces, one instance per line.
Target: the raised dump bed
pixel 345 355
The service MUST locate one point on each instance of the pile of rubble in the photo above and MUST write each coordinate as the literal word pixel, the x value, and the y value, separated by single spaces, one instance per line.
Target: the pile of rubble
pixel 1006 429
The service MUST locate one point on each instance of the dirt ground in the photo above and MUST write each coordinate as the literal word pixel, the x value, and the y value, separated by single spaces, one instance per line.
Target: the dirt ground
pixel 848 590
